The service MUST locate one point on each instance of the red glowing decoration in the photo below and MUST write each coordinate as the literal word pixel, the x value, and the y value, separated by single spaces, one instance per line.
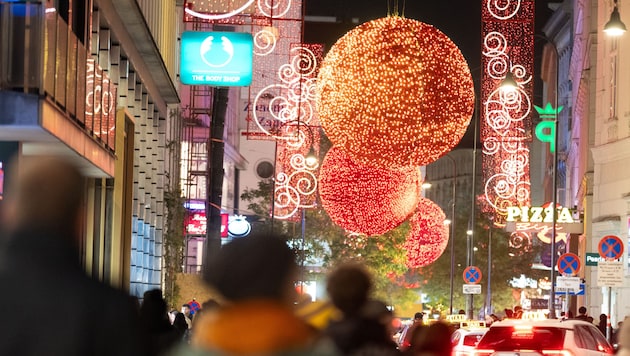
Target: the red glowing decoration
pixel 395 92
pixel 428 235
pixel 365 199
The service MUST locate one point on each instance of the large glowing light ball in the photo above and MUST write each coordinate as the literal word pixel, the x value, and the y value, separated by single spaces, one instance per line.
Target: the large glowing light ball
pixel 364 199
pixel 395 92
pixel 428 235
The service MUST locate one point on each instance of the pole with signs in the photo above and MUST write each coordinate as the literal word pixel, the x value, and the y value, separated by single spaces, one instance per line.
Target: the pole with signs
pixel 610 271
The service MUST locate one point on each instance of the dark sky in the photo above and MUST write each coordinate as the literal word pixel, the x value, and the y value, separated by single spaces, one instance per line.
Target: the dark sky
pixel 460 20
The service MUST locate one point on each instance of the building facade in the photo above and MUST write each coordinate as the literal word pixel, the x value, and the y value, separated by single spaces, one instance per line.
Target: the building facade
pixel 96 81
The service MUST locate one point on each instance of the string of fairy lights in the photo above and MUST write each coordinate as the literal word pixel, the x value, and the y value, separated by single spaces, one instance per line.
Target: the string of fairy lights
pixel 508 36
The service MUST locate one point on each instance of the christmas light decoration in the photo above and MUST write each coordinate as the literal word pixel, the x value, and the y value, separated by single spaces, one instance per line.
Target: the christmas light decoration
pixel 395 92
pixel 365 199
pixel 295 128
pixel 508 46
pixel 428 235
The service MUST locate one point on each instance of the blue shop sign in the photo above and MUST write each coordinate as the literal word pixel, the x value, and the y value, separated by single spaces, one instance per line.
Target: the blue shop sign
pixel 217 58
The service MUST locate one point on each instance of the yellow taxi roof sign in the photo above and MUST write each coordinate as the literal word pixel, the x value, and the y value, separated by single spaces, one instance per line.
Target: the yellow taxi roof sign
pixel 456 318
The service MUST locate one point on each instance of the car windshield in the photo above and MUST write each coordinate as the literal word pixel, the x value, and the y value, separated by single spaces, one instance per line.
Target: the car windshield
pixel 532 338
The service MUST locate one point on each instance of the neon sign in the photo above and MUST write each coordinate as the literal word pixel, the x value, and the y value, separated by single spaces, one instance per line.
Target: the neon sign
pixel 538 214
pixel 546 130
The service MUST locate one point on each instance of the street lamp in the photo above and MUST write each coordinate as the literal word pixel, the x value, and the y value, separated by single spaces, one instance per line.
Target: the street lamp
pixel 451 222
pixel 554 183
pixel 452 239
pixel 614 26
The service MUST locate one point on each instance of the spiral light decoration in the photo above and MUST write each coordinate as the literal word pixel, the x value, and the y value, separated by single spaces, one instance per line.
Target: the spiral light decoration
pixel 508 43
pixel 296 129
pixel 364 199
pixel 428 235
pixel 395 92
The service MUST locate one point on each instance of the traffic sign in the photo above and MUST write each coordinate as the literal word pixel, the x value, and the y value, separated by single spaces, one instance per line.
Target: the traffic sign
pixel 571 291
pixel 610 274
pixel 472 275
pixel 610 247
pixel 568 283
pixel 569 264
pixel 472 289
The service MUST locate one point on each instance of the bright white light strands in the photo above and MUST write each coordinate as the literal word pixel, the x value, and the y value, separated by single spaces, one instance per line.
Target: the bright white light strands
pixel 508 36
pixel 296 179
pixel 292 98
pixel 295 128
pixel 428 235
pixel 365 199
pixel 395 92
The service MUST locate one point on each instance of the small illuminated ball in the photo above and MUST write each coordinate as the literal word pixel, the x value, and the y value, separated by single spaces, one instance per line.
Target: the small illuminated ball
pixel 364 199
pixel 395 92
pixel 428 235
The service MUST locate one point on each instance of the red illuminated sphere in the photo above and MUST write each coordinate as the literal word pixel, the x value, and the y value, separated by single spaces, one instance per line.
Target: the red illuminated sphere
pixel 395 92
pixel 364 199
pixel 428 236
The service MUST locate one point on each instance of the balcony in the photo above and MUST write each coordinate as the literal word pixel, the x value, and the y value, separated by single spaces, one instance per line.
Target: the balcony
pixel 54 97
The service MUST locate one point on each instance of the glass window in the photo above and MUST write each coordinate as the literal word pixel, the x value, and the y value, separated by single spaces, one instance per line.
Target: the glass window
pixel 471 339
pixel 535 338
pixel 594 339
pixel 588 339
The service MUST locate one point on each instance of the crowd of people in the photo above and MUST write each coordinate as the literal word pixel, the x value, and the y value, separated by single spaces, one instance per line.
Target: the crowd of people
pixel 59 310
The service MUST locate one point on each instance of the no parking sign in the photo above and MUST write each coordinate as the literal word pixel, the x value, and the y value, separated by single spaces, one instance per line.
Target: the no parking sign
pixel 610 247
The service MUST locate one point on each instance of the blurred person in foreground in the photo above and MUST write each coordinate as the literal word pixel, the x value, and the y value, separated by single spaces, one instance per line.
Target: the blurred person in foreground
pixel 41 272
pixel 406 335
pixel 431 340
pixel 364 327
pixel 623 338
pixel 254 276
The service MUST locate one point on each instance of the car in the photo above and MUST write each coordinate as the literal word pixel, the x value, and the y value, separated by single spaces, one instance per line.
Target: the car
pixel 549 337
pixel 465 339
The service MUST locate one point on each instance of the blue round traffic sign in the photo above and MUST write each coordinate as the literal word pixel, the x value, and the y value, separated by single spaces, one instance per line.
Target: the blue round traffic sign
pixel 610 247
pixel 569 264
pixel 472 275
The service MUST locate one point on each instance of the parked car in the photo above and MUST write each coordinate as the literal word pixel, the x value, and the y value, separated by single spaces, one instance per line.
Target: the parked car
pixel 465 339
pixel 549 337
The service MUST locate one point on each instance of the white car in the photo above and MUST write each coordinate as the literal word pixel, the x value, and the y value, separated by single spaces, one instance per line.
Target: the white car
pixel 549 337
pixel 464 340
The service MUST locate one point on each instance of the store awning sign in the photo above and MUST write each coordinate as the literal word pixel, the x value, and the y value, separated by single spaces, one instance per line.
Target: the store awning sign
pixel 217 58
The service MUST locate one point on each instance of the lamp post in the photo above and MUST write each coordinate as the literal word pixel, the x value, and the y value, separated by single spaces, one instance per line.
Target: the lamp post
pixel 554 181
pixel 452 239
pixel 615 27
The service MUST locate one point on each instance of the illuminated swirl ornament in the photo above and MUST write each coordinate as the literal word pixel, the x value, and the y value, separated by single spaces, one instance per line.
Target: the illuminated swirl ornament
pixel 395 92
pixel 364 199
pixel 508 33
pixel 208 16
pixel 428 235
pixel 296 104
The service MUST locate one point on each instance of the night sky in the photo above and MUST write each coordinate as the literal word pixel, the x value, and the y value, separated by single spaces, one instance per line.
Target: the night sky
pixel 460 20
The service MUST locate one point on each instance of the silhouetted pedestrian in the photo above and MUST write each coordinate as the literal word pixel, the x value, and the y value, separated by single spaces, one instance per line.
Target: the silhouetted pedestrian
pixel 431 340
pixel 159 334
pixel 255 276
pixel 361 329
pixel 53 307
